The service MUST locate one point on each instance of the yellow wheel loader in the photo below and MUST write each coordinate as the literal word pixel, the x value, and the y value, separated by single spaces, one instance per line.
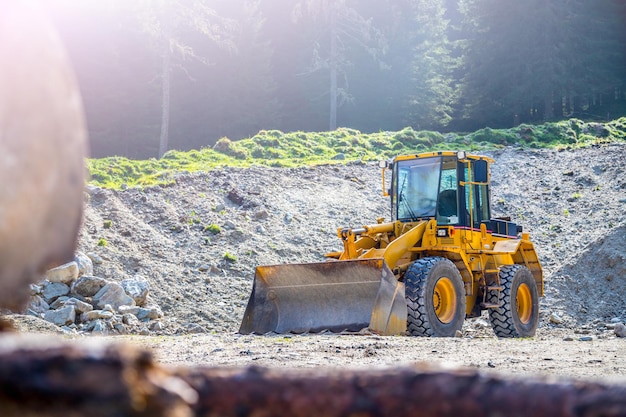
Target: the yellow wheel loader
pixel 440 259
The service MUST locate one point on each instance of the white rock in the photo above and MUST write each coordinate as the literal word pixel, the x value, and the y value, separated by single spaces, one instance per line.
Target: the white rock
pixel 106 315
pixel 99 327
pixel 90 315
pixel 65 273
pixel 59 302
pixel 556 319
pixel 120 328
pixel 35 289
pixel 88 285
pixel 193 328
pixel 95 258
pixel 156 326
pixel 481 323
pixel 54 290
pixel 130 319
pixel 80 306
pixel 128 310
pixel 138 288
pixel 620 330
pixel 38 304
pixel 95 315
pixel 62 316
pixel 112 294
pixel 85 265
pixel 149 313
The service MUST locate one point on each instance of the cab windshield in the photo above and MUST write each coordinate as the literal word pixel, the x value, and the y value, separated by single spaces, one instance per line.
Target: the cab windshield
pixel 417 185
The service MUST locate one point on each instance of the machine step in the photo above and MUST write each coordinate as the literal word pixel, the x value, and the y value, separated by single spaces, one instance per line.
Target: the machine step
pixel 490 305
pixel 495 288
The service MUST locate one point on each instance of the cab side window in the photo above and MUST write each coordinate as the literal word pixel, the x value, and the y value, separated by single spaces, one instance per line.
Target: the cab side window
pixel 478 202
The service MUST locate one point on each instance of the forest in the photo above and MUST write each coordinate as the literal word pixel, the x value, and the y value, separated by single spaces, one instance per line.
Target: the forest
pixel 158 75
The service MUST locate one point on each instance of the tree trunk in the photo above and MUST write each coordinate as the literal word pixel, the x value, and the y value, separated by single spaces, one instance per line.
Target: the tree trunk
pixel 165 87
pixel 548 111
pixel 333 67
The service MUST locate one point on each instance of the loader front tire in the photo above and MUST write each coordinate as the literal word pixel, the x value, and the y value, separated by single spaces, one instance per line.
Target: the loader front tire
pixel 518 313
pixel 435 298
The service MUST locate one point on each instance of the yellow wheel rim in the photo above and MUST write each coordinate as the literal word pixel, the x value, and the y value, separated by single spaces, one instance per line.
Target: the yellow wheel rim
pixel 524 303
pixel 444 300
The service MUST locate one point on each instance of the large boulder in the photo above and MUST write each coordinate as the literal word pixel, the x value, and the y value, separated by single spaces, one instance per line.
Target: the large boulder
pixel 65 273
pixel 61 317
pixel 138 288
pixel 113 294
pixel 54 290
pixel 79 306
pixel 38 304
pixel 85 265
pixel 149 313
pixel 88 285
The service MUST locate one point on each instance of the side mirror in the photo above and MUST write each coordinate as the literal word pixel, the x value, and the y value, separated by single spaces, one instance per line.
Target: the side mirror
pixel 481 168
pixel 384 164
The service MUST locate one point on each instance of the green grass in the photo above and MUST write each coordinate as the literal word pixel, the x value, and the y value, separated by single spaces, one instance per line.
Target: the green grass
pixel 230 257
pixel 277 149
pixel 213 228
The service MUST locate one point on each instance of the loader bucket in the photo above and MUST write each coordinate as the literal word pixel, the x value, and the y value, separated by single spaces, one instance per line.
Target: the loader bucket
pixel 335 296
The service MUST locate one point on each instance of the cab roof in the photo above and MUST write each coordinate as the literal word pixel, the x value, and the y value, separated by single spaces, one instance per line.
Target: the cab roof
pixel 461 155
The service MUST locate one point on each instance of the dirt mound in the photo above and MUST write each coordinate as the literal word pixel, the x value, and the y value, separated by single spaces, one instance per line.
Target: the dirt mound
pixel 197 241
pixel 593 286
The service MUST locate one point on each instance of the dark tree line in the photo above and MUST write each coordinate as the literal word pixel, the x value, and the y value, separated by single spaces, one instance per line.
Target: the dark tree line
pixel 180 74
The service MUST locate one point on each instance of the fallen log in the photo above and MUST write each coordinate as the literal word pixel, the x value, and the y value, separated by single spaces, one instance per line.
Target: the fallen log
pixel 49 377
pixel 419 391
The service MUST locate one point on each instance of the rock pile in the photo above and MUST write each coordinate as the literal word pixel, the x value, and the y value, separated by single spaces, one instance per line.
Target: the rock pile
pixel 77 301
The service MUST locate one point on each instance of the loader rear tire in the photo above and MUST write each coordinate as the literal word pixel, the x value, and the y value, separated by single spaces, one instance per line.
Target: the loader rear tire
pixel 435 298
pixel 518 313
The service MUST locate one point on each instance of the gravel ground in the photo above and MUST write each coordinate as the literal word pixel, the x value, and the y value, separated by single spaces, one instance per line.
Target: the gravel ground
pixel 571 201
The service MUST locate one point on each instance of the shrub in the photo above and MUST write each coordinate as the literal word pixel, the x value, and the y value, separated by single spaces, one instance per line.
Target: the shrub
pixel 230 257
pixel 212 228
pixel 223 145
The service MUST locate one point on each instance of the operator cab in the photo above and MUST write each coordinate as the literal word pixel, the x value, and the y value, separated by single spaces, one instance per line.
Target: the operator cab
pixel 428 186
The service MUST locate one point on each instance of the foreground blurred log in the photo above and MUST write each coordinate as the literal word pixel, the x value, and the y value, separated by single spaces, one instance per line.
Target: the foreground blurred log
pixel 43 142
pixel 46 377
pixel 401 392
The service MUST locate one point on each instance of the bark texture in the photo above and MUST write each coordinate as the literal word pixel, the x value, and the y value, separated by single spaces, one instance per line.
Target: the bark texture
pixel 45 376
pixel 398 392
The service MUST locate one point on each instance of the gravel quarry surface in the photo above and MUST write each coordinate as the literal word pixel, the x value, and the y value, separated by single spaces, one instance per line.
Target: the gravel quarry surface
pixel 198 241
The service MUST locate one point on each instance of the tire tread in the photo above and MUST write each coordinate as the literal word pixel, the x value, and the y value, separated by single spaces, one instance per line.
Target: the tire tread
pixel 416 282
pixel 502 319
